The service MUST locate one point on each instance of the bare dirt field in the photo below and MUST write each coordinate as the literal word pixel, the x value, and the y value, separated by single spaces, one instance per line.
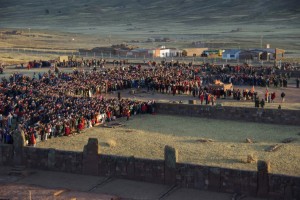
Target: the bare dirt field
pixel 145 136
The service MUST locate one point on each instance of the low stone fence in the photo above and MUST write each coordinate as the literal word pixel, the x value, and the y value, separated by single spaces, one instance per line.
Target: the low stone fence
pixel 6 154
pixel 168 171
pixel 284 117
pixel 294 73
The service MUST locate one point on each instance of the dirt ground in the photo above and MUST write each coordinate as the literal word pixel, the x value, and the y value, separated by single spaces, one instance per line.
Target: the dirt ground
pixel 21 45
pixel 145 136
pixel 31 192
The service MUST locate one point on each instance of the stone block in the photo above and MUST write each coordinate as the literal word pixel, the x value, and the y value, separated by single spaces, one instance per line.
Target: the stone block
pixel 108 165
pixel 185 175
pixel 263 166
pixel 155 172
pixel 170 176
pixel 121 167
pixel 139 173
pixel 277 185
pixel 77 163
pixel 92 147
pixel 288 192
pixel 51 159
pixel 130 167
pixel 103 166
pixel 171 157
pixel 248 182
pixel 90 161
pixel 296 192
pixel 214 179
pixel 263 169
pixel 201 178
pixel 230 181
pixel 69 163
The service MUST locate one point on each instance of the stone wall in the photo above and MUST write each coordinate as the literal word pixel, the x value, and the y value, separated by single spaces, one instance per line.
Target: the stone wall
pixel 132 168
pixel 51 159
pixel 284 117
pixel 6 154
pixel 217 179
pixel 259 183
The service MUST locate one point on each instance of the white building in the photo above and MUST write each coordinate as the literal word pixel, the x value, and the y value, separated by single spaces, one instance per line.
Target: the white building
pixel 164 52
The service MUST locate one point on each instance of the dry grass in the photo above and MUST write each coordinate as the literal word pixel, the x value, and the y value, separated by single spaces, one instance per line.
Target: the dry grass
pixel 20 57
pixel 109 143
pixel 146 136
pixel 39 44
pixel 40 40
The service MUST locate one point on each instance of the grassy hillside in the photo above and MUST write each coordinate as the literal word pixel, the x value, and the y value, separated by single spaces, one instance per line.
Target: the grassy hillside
pixel 69 13
pixel 232 23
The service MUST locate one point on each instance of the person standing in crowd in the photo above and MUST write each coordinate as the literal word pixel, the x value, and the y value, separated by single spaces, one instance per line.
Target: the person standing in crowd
pixel 297 82
pixel 269 98
pixel 256 101
pixel 273 96
pixel 282 97
pixel 1 118
pixel 32 140
pixel 201 98
pixel 262 103
pixel 127 114
pixel 9 120
pixel 213 100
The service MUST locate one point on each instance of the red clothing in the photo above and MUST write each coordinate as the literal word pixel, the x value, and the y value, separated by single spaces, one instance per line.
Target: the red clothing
pixel 67 131
pixel 273 95
pixel 32 139
pixel 144 108
pixel 108 113
pixel 80 126
pixel 201 98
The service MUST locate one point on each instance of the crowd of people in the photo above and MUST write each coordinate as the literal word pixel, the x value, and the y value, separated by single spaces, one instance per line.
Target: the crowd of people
pixel 58 103
pixel 43 109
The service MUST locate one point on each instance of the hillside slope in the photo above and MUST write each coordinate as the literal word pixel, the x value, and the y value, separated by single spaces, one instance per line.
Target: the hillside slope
pixel 74 13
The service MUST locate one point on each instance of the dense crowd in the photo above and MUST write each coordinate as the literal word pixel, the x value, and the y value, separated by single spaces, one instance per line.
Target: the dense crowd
pixel 58 103
pixel 42 108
